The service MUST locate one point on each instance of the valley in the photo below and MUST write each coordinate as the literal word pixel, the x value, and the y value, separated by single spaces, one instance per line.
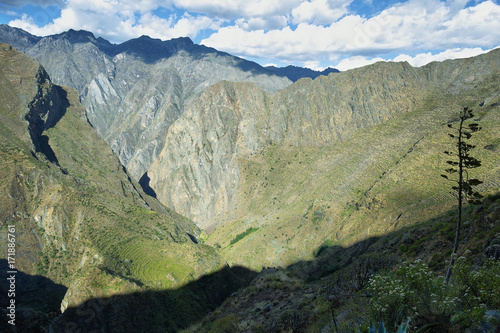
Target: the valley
pixel 216 195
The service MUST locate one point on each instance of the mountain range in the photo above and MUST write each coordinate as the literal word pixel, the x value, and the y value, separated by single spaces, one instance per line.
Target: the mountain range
pixel 173 173
pixel 159 78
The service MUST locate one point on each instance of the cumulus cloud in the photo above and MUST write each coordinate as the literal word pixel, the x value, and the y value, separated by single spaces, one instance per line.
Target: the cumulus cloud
pixel 314 33
pixel 322 12
pixel 235 9
pixel 413 25
pixel 313 64
pixel 260 23
pixel 425 58
pixel 418 60
pixel 117 20
pixel 355 62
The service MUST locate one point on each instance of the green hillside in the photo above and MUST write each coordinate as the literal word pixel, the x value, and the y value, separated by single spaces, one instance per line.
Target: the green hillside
pixel 383 178
pixel 80 220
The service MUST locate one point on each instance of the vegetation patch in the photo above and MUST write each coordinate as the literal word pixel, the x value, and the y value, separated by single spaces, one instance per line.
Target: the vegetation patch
pixel 243 235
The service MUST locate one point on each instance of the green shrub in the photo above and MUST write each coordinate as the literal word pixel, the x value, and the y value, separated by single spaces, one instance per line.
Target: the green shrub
pixel 478 287
pixel 243 235
pixel 411 291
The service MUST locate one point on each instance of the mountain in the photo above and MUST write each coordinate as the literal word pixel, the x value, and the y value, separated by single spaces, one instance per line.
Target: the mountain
pixel 295 73
pixel 134 91
pixel 322 159
pixel 80 221
pixel 333 179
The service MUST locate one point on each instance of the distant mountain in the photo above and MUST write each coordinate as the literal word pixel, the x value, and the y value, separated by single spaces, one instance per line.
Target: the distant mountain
pixel 295 73
pixel 335 159
pixel 134 91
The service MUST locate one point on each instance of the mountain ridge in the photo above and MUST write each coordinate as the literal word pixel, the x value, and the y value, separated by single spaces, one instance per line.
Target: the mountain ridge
pixel 157 78
pixel 236 129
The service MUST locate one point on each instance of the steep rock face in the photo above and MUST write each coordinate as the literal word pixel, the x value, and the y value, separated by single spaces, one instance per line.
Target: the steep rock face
pixel 330 109
pixel 455 76
pixel 310 113
pixel 197 172
pixel 135 90
pixel 200 159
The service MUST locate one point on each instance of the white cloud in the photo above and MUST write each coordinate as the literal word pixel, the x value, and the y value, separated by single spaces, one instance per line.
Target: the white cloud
pixel 323 12
pixel 355 62
pixel 260 23
pixel 414 25
pixel 425 58
pixel 313 64
pixel 234 9
pixel 418 60
pixel 118 20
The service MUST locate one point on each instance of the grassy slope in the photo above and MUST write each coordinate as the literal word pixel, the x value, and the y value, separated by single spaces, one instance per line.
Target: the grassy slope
pixel 298 295
pixel 385 177
pixel 84 223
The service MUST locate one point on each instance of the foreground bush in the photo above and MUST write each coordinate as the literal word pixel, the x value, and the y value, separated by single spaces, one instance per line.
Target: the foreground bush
pixel 413 291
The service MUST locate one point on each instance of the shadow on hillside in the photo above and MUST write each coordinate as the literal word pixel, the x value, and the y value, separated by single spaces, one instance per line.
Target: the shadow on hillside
pixel 174 310
pixel 144 182
pixel 431 240
pixel 36 298
pixel 155 311
pixel 37 126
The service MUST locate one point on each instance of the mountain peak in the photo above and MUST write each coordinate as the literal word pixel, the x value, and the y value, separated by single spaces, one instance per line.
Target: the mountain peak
pixel 16 37
pixel 77 36
pixel 152 49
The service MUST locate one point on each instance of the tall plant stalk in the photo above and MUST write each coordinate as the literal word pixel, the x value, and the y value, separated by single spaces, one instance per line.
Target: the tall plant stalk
pixel 460 165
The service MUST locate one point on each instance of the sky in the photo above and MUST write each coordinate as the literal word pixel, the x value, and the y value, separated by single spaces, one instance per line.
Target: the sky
pixel 343 34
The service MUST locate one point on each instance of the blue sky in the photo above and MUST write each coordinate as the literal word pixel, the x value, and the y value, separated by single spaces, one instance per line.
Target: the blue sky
pixel 310 33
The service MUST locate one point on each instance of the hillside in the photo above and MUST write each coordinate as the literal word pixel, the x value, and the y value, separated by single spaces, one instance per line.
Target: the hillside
pixel 322 159
pixel 81 224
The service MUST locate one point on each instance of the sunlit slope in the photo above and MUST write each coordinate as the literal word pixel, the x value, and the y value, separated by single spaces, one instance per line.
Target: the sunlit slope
pixel 383 177
pixel 80 220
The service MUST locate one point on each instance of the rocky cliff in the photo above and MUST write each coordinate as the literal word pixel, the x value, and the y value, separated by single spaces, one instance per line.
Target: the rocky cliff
pixel 336 150
pixel 133 91
pixel 198 172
